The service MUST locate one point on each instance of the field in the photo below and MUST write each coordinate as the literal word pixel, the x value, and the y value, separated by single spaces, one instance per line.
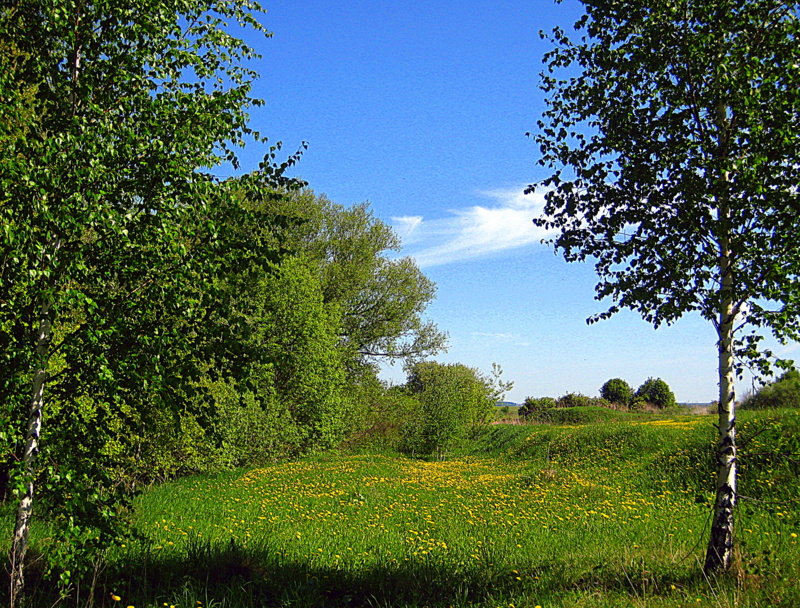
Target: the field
pixel 609 513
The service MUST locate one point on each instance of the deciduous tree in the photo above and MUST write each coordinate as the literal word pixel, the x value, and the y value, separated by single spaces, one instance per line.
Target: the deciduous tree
pixel 103 204
pixel 616 390
pixel 452 398
pixel 657 392
pixel 381 299
pixel 673 131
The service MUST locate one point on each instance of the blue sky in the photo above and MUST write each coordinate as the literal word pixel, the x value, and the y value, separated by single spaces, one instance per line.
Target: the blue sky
pixel 422 109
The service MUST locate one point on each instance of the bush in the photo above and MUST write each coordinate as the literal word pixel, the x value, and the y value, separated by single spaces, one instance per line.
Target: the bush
pixel 784 392
pixel 617 391
pixel 579 400
pixel 452 398
pixel 383 416
pixel 531 407
pixel 657 392
pixel 573 400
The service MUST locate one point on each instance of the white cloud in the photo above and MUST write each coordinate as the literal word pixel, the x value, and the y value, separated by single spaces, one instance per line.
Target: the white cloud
pixel 474 231
pixel 498 336
pixel 405 226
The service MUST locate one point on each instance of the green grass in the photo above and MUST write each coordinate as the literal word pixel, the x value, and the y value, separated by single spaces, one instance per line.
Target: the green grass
pixel 607 513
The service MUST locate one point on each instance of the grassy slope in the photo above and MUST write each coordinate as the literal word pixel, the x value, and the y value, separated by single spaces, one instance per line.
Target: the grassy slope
pixel 609 510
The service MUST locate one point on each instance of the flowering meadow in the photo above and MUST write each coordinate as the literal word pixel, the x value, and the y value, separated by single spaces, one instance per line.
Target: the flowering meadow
pixel 597 514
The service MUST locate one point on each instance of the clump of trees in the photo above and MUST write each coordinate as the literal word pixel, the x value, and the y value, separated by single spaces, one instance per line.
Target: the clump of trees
pixel 616 392
pixel 543 409
pixel 580 400
pixel 653 392
pixel 155 318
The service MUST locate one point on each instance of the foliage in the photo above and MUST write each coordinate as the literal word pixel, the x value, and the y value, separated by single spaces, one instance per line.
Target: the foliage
pixel 616 390
pixel 536 407
pixel 172 321
pixel 452 399
pixel 672 132
pixel 547 409
pixel 381 299
pixel 579 400
pixel 381 416
pixel 300 341
pixel 782 393
pixel 661 118
pixel 185 322
pixel 657 392
pixel 108 212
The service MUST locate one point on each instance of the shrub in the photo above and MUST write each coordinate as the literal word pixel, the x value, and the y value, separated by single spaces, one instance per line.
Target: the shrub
pixel 784 392
pixel 384 416
pixel 617 391
pixel 532 406
pixel 573 400
pixel 579 400
pixel 657 392
pixel 452 398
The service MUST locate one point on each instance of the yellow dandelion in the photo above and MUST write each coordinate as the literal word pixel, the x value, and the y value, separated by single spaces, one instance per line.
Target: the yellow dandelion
pixel 116 598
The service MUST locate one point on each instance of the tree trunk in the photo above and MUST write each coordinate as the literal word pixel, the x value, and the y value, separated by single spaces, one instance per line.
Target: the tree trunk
pixel 720 543
pixel 25 508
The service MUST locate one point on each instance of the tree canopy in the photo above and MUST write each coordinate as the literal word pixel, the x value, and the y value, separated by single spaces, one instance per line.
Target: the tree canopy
pixel 616 390
pixel 381 298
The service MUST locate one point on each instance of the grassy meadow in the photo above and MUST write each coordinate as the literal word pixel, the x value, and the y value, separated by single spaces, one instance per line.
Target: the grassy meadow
pixel 601 513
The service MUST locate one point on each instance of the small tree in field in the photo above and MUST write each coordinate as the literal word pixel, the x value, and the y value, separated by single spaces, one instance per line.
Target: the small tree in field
pixel 657 392
pixel 452 398
pixel 617 391
pixel 673 141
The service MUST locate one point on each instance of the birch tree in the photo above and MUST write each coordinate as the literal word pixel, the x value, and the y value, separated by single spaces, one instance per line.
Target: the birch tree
pixel 672 134
pixel 105 185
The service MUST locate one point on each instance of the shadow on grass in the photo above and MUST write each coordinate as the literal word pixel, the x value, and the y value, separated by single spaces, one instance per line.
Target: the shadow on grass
pixel 232 576
pixel 228 575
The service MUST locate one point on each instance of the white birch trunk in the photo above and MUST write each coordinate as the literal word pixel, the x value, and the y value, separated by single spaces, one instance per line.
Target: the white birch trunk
pixel 720 543
pixel 25 508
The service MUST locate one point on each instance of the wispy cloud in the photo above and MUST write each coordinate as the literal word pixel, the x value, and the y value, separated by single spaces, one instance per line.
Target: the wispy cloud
pixel 498 336
pixel 474 231
pixel 405 226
